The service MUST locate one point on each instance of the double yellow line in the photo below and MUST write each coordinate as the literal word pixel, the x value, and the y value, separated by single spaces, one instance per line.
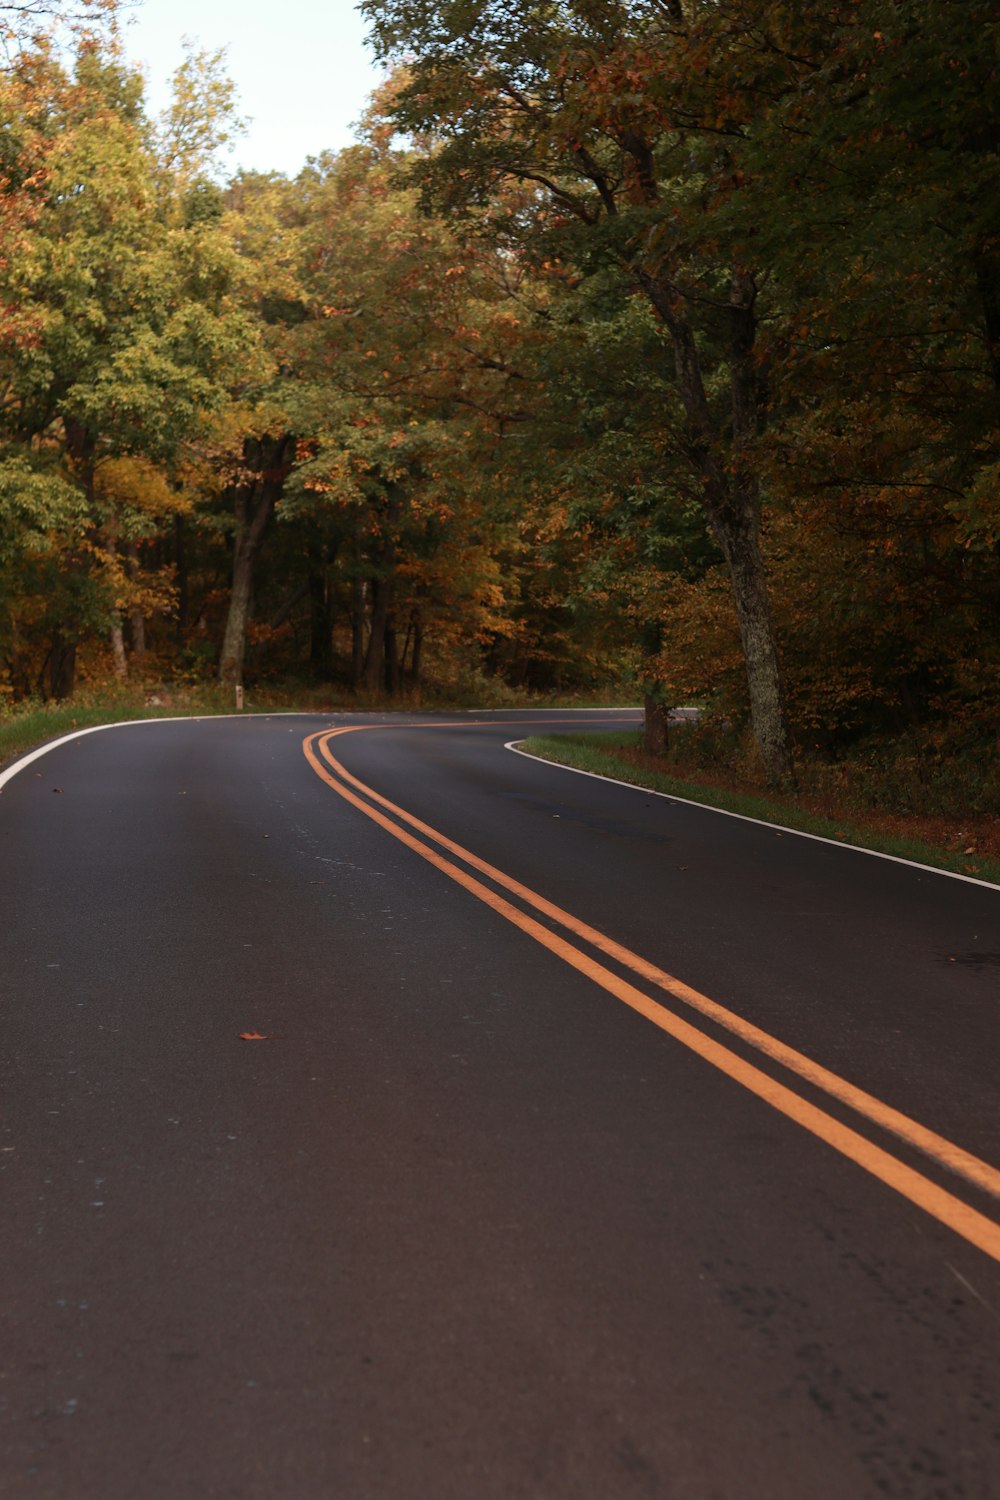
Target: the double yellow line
pixel 959 1216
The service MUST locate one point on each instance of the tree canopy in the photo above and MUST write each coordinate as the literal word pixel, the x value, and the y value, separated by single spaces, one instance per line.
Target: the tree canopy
pixel 651 344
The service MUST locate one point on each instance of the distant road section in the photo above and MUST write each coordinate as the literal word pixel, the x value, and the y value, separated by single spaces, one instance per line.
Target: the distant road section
pixel 387 1115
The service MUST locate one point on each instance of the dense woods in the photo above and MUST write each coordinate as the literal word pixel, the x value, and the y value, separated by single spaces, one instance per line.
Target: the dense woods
pixel 647 347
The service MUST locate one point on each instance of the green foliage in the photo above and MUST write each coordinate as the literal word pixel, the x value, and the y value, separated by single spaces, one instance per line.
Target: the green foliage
pixel 128 336
pixel 36 506
pixel 653 289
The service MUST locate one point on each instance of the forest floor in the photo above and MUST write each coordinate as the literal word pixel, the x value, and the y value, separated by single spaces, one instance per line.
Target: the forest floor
pixel 968 844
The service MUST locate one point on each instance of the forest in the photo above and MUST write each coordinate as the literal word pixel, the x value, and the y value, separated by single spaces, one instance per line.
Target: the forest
pixel 642 352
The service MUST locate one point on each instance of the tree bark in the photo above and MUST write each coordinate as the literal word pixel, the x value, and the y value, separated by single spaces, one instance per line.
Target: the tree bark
pixel 731 499
pixel 81 446
pixel 392 672
pixel 137 621
pixel 739 538
pixel 234 640
pixel 357 629
pixel 115 630
pixel 183 595
pixel 62 666
pixel 266 462
pixel 373 676
pixel 118 648
pixel 321 610
pixel 656 718
pixel 418 642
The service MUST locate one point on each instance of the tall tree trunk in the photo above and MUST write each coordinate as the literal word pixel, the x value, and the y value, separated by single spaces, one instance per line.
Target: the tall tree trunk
pixel 418 642
pixel 731 499
pixel 739 538
pixel 321 610
pixel 656 714
pixel 137 621
pixel 392 672
pixel 407 641
pixel 62 666
pixel 737 529
pixel 118 647
pixel 373 676
pixel 266 464
pixel 81 446
pixel 656 718
pixel 383 599
pixel 183 594
pixel 234 640
pixel 357 629
pixel 115 631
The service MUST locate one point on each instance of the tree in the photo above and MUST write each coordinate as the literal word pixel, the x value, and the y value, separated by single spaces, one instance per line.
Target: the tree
pixel 403 384
pixel 605 111
pixel 131 330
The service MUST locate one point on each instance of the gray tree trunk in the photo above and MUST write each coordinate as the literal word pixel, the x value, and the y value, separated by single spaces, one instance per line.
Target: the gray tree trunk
pixel 234 640
pixel 118 648
pixel 383 600
pixel 656 718
pixel 62 666
pixel 740 542
pixel 373 676
pixel 137 621
pixel 116 632
pixel 266 462
pixel 732 501
pixel 392 668
pixel 418 643
pixel 357 629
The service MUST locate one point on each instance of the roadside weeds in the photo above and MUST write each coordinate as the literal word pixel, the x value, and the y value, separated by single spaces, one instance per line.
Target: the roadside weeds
pixel 917 839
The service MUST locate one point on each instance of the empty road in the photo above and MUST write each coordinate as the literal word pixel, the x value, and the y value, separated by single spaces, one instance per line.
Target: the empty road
pixel 390 1116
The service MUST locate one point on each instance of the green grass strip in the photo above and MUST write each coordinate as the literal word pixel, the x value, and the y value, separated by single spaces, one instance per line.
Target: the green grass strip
pixel 26 726
pixel 597 753
pixel 28 730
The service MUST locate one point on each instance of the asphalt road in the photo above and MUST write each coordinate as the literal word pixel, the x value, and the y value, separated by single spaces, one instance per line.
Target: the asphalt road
pixel 595 1146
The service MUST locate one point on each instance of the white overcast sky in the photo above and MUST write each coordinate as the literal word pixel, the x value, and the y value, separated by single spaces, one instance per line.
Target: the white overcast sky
pixel 301 68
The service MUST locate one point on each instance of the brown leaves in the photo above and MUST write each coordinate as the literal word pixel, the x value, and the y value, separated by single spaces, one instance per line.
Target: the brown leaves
pixel 254 1036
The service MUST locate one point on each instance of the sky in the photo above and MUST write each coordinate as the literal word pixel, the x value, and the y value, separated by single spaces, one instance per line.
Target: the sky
pixel 301 68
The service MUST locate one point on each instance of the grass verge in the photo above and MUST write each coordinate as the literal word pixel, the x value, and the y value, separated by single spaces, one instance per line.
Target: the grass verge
pixel 26 726
pixel 619 756
pixel 28 730
pixel 29 725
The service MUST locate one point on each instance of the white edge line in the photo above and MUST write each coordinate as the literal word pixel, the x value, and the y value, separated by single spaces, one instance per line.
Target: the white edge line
pixel 76 734
pixel 283 713
pixel 799 833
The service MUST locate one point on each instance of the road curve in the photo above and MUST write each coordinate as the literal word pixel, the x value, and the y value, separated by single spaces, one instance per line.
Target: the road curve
pixel 386 1115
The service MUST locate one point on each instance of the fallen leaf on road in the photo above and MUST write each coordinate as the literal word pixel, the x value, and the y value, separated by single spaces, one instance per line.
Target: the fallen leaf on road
pixel 57 788
pixel 253 1036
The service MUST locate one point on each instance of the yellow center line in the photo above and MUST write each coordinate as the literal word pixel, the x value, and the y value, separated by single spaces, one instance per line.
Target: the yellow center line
pixel 942 1205
pixel 945 1152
